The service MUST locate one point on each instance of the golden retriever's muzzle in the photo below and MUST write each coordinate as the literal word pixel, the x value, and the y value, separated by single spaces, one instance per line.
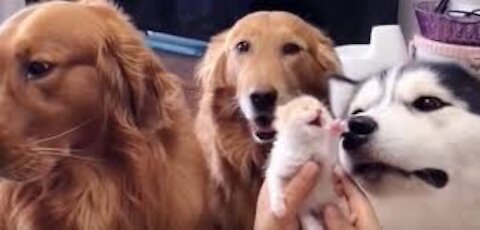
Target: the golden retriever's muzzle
pixel 263 103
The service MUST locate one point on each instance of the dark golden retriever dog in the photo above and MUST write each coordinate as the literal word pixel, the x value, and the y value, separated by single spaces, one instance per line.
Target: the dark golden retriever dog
pixel 95 134
pixel 264 60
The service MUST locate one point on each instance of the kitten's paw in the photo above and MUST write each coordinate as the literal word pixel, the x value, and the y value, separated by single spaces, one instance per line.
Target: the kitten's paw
pixel 277 204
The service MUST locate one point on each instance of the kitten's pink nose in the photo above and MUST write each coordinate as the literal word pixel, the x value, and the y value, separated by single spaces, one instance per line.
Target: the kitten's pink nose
pixel 338 127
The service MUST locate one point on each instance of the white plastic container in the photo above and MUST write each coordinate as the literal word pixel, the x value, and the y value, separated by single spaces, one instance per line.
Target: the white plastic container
pixel 386 49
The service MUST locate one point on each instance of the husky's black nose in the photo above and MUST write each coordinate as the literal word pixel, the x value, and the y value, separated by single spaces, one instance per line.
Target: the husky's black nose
pixel 360 128
pixel 362 125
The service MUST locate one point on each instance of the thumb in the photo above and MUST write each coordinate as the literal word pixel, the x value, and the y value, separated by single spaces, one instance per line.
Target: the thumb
pixel 300 186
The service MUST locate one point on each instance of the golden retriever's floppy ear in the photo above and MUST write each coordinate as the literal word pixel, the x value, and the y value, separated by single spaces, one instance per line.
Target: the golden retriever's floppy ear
pixel 324 52
pixel 212 69
pixel 136 83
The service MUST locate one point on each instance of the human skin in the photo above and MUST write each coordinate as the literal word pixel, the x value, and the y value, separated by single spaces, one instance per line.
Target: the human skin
pixel 361 215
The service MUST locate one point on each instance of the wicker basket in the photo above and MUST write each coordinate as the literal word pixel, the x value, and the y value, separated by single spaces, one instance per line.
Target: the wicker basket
pixel 444 28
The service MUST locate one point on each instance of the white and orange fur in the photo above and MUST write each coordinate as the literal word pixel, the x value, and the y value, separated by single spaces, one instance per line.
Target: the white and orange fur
pixel 305 132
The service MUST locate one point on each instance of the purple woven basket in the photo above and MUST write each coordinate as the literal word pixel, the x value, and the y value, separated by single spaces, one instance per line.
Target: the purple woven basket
pixel 444 28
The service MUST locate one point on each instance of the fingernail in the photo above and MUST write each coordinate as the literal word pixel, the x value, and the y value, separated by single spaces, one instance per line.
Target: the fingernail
pixel 353 217
pixel 312 168
pixel 338 171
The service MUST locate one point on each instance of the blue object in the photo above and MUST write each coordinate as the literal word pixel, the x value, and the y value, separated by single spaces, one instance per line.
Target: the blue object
pixel 175 44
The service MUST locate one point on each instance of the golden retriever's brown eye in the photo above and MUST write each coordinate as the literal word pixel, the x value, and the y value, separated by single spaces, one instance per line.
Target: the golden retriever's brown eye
pixel 36 69
pixel 242 47
pixel 291 48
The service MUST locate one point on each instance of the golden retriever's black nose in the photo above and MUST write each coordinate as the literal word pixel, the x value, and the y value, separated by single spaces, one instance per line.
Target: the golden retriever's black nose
pixel 264 101
pixel 359 130
pixel 264 120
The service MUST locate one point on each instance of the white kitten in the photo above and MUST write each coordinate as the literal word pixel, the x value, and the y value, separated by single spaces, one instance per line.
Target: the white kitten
pixel 305 132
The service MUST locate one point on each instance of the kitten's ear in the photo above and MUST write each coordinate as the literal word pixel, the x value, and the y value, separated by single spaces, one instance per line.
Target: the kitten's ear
pixel 342 90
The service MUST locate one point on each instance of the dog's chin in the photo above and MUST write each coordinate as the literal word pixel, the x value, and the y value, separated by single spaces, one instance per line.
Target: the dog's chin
pixel 377 172
pixel 374 173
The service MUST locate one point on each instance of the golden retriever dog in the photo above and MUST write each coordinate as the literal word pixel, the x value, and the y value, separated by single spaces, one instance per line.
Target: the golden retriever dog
pixel 264 60
pixel 95 134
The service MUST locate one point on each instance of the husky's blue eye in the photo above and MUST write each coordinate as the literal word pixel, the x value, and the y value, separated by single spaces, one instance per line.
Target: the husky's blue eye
pixel 428 104
pixel 35 69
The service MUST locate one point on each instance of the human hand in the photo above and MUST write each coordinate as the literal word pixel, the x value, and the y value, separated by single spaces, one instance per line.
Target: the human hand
pixel 362 216
pixel 296 192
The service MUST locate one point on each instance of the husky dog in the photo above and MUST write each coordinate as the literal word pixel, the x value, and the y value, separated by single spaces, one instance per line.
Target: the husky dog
pixel 305 132
pixel 413 146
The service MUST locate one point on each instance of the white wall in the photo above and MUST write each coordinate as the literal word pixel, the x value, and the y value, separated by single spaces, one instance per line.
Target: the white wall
pixel 8 7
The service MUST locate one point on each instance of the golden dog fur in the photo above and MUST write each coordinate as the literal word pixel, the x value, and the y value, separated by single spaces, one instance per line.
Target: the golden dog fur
pixel 95 134
pixel 235 159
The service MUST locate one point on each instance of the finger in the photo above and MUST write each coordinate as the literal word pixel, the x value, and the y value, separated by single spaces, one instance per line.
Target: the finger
pixel 335 220
pixel 300 186
pixel 349 189
pixel 263 197
pixel 362 212
pixel 337 184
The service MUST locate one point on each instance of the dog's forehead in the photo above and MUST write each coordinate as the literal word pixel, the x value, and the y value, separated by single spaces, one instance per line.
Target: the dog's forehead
pixel 57 22
pixel 271 22
pixel 415 79
pixel 268 17
pixel 459 81
pixel 369 92
pixel 416 82
pixel 401 83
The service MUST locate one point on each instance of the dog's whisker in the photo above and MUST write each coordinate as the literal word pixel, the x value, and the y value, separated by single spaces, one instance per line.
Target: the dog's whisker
pixel 67 132
pixel 55 149
pixel 69 156
pixel 59 154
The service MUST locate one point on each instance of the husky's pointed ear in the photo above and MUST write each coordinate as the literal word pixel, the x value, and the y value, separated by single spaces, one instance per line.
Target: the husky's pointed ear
pixel 342 90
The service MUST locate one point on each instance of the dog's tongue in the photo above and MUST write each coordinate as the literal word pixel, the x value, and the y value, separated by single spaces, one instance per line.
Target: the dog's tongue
pixel 434 177
pixel 267 135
